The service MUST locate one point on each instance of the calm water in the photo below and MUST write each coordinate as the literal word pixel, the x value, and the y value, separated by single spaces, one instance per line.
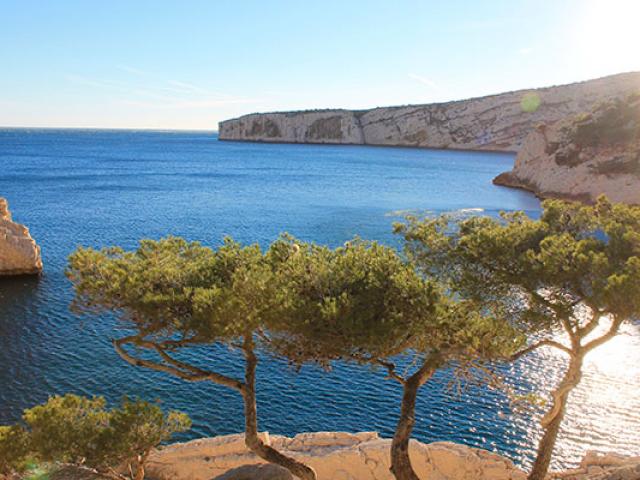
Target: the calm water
pixel 103 188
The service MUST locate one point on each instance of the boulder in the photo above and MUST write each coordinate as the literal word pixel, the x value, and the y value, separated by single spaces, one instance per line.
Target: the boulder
pixel 19 254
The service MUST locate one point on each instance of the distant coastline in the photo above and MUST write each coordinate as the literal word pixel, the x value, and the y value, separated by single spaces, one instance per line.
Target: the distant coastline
pixel 498 122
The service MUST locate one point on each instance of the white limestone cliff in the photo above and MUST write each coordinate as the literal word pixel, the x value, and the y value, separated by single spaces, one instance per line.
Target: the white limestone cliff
pixel 496 122
pixel 584 156
pixel 19 254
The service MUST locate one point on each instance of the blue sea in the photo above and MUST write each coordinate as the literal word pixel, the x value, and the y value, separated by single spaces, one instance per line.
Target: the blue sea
pixel 100 188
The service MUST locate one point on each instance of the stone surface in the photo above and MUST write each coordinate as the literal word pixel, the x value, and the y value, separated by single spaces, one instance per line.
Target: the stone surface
pixel 497 122
pixel 583 156
pixel 19 254
pixel 333 455
pixel 603 466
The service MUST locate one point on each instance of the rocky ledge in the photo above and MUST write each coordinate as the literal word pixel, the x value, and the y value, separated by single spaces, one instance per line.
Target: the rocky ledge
pixel 19 254
pixel 497 122
pixel 359 456
pixel 583 156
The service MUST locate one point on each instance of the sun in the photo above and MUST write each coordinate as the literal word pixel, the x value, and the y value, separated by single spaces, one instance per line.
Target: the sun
pixel 606 35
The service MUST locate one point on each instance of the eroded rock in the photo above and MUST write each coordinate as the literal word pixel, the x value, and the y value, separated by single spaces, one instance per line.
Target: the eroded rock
pixel 19 254
pixel 496 122
pixel 333 455
pixel 584 156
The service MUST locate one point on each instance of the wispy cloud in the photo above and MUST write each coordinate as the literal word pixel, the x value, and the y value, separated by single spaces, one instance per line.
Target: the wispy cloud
pixel 190 104
pixel 132 70
pixel 424 80
pixel 525 51
pixel 158 93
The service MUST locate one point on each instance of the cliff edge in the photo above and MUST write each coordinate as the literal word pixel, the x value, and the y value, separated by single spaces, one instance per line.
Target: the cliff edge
pixel 496 122
pixel 360 456
pixel 583 156
pixel 19 254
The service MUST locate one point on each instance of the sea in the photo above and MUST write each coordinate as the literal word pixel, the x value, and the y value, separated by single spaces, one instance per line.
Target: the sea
pixel 100 188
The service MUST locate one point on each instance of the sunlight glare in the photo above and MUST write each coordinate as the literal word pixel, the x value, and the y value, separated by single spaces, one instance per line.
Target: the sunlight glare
pixel 606 35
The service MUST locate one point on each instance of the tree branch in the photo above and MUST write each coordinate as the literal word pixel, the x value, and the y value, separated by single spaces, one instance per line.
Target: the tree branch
pixel 177 368
pixel 541 343
pixel 612 332
pixel 391 369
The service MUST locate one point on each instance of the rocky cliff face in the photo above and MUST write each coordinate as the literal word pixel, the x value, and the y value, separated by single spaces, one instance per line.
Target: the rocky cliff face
pixel 498 122
pixel 19 254
pixel 584 156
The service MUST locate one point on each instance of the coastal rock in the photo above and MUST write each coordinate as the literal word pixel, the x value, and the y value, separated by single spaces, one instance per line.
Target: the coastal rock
pixel 583 156
pixel 496 122
pixel 333 455
pixel 603 466
pixel 19 254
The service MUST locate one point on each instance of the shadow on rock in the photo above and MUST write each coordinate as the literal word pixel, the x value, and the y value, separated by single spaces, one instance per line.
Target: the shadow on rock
pixel 256 472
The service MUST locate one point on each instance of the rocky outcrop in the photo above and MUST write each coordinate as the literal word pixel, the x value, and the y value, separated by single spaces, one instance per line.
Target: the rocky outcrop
pixel 19 254
pixel 497 122
pixel 333 455
pixel 584 156
pixel 603 466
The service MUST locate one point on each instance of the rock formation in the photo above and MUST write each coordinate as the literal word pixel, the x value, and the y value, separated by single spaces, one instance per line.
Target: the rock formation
pixel 360 456
pixel 19 254
pixel 497 122
pixel 584 156
pixel 599 466
pixel 333 455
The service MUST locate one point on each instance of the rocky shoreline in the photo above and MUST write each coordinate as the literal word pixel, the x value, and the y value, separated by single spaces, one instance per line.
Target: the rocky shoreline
pixel 581 157
pixel 19 253
pixel 524 121
pixel 359 456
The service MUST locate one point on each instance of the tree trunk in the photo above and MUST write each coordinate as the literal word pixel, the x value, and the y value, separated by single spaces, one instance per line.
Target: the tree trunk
pixel 252 440
pixel 140 466
pixel 553 419
pixel 400 461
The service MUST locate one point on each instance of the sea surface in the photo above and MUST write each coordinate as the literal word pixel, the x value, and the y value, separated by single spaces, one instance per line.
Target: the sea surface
pixel 99 188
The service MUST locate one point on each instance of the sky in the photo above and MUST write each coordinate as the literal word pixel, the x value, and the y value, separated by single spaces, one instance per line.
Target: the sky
pixel 189 64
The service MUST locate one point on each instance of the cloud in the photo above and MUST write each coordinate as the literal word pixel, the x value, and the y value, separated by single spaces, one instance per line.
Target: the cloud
pixel 133 70
pixel 424 80
pixel 525 51
pixel 207 103
pixel 165 94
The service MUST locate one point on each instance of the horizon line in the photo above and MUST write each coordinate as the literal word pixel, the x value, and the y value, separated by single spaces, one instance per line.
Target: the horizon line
pixel 135 129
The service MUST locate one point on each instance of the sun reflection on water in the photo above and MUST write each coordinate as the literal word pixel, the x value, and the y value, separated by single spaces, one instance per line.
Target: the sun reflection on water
pixel 603 405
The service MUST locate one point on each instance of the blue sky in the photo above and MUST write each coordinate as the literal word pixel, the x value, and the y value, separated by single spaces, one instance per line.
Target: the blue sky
pixel 189 64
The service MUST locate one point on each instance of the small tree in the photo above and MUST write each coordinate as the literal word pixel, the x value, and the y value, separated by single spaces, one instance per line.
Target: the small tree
pixel 362 303
pixel 137 427
pixel 174 295
pixel 80 431
pixel 575 269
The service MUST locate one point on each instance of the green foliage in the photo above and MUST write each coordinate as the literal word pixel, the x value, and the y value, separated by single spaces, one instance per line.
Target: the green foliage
pixel 138 426
pixel 337 303
pixel 171 286
pixel 538 270
pixel 362 302
pixel 68 429
pixel 14 449
pixel 78 430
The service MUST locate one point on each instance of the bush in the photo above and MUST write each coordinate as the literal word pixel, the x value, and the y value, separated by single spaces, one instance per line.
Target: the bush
pixel 80 431
pixel 13 449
